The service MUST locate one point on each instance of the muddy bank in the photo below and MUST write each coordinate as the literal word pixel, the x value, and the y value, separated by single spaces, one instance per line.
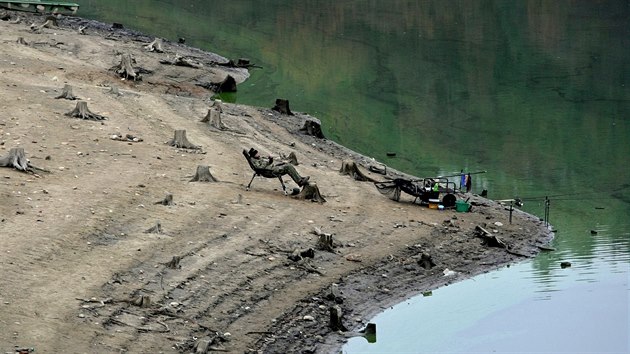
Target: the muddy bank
pixel 84 269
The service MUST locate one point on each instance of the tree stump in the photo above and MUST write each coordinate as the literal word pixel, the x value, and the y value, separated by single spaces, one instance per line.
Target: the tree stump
pixel 67 93
pixel 114 91
pixel 203 175
pixel 313 127
pixel 325 242
pixel 21 40
pixel 335 294
pixel 157 228
pixel 292 159
pixel 17 159
pixel 311 192
pixel 351 169
pixel 282 106
pixel 50 22
pixel 155 46
pixel 81 111
pixel 336 319
pixel 168 200
pixel 426 261
pixel 125 68
pixel 181 141
pixel 213 118
pixel 142 301
pixel 227 85
pixel 174 263
pixel 81 30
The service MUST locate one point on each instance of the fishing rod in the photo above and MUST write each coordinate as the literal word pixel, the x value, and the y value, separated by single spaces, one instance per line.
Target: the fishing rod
pixel 463 173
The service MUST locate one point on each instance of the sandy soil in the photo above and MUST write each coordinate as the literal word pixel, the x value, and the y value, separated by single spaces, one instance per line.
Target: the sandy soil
pixel 76 260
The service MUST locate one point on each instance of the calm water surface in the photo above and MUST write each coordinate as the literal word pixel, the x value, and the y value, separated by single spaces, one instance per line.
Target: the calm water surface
pixel 535 92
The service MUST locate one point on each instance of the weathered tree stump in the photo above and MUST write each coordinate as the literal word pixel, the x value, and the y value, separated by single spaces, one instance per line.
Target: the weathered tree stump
pixel 325 242
pixel 48 23
pixel 311 192
pixel 174 262
pixel 157 228
pixel 426 261
pixel 168 200
pixel 298 255
pixel 155 46
pixel 82 29
pixel 81 111
pixel 313 127
pixel 17 159
pixel 203 175
pixel 213 118
pixel 181 141
pixel 114 91
pixel 67 93
pixel 227 85
pixel 141 301
pixel 125 68
pixel 336 319
pixel 21 40
pixel 351 169
pixel 335 294
pixel 282 106
pixel 292 159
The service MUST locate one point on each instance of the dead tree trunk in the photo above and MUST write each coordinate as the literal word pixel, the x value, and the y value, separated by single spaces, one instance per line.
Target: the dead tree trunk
pixel 168 200
pixel 155 46
pixel 203 175
pixel 282 106
pixel 336 316
pixel 426 261
pixel 351 169
pixel 67 93
pixel 313 127
pixel 81 111
pixel 17 159
pixel 311 192
pixel 125 68
pixel 181 141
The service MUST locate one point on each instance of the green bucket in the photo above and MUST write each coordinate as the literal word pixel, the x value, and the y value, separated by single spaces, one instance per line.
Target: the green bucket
pixel 461 206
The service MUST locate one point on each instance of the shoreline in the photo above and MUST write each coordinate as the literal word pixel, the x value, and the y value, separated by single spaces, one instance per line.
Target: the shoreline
pixel 234 275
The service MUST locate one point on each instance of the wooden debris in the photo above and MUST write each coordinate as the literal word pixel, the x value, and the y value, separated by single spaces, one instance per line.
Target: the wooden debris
pixel 182 61
pixel 488 239
pixel 126 137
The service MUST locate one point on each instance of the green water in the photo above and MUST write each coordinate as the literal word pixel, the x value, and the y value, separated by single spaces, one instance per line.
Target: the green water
pixel 534 92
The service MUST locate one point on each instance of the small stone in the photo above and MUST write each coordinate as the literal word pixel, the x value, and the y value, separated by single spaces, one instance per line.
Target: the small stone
pixel 308 318
pixel 81 315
